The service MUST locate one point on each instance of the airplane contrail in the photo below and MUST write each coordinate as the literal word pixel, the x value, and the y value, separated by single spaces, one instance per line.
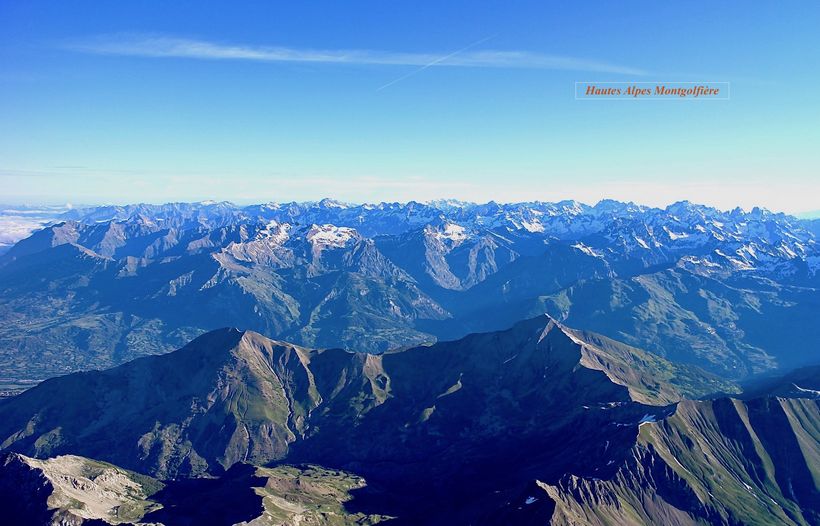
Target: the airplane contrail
pixel 437 61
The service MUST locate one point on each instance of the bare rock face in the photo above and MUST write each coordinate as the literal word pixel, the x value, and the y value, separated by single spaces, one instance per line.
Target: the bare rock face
pixel 70 490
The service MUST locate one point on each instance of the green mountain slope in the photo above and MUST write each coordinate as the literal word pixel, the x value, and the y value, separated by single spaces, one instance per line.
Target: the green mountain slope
pixel 233 396
pixel 475 418
pixel 716 462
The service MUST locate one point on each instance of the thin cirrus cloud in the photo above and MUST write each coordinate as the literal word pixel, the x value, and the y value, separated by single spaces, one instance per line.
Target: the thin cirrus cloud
pixel 174 47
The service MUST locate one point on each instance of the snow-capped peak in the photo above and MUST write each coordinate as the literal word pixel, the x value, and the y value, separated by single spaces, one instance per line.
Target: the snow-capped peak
pixel 330 235
pixel 332 203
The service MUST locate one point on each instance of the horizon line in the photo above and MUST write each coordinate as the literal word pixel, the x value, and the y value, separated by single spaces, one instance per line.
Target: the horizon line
pixel 435 203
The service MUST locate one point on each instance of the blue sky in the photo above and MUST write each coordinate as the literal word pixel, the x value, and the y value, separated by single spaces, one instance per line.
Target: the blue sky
pixel 158 101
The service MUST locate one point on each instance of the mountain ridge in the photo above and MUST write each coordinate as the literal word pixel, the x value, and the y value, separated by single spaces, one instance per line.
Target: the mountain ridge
pixel 234 395
pixel 473 430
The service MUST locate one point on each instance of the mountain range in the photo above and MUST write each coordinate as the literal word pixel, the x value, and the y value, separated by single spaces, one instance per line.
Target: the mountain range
pixel 535 424
pixel 732 292
pixel 329 363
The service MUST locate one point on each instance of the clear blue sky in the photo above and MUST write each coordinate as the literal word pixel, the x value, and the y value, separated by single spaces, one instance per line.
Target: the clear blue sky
pixel 158 101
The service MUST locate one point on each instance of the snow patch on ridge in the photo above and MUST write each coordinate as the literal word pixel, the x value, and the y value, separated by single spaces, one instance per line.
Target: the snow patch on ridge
pixel 812 392
pixel 674 236
pixel 641 242
pixel 647 419
pixel 276 233
pixel 589 251
pixel 452 232
pixel 532 226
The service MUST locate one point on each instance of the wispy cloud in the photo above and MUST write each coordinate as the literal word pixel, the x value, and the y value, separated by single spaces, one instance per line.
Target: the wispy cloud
pixel 172 47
